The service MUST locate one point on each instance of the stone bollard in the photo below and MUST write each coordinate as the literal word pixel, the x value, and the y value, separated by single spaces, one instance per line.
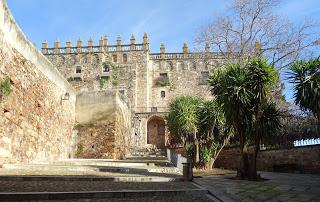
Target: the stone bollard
pixel 187 171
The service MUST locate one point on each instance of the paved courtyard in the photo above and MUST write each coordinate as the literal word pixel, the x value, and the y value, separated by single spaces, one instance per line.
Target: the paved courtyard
pixel 278 187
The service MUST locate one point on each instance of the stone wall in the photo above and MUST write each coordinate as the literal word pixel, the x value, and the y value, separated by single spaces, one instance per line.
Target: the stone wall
pixel 137 76
pixel 36 119
pixel 121 76
pixel 307 158
pixel 185 78
pixel 103 125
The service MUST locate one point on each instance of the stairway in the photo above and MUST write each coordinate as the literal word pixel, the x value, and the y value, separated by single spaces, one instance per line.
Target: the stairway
pixel 142 174
pixel 141 166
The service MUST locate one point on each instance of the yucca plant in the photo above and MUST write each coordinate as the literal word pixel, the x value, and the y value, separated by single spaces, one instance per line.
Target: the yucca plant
pixel 182 120
pixel 305 76
pixel 242 90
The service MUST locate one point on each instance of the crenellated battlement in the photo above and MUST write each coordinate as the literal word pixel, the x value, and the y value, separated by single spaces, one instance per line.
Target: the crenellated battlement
pixel 102 47
pixel 185 54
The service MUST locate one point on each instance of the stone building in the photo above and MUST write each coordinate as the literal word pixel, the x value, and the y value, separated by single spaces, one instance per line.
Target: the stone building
pixel 90 101
pixel 148 80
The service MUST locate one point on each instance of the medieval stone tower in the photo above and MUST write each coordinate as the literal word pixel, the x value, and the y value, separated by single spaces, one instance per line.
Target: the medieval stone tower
pixel 149 81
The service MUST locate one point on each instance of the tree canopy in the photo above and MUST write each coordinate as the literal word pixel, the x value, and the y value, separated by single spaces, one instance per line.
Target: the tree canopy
pixel 252 27
pixel 305 75
pixel 243 91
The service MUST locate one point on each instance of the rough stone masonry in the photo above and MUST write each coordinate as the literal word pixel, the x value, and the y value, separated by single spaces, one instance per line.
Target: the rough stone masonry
pixel 148 80
pixel 38 119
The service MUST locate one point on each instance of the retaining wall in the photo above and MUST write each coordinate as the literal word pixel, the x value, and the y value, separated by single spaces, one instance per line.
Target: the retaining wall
pixel 37 118
pixel 306 159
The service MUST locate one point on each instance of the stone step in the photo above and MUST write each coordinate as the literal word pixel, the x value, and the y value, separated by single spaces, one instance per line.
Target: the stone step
pixel 148 154
pixel 41 184
pixel 147 158
pixel 84 168
pixel 20 178
pixel 124 194
pixel 47 167
pixel 129 162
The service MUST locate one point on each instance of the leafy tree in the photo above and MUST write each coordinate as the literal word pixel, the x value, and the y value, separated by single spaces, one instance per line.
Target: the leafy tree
pixel 266 124
pixel 182 120
pixel 305 75
pixel 212 131
pixel 243 91
pixel 203 122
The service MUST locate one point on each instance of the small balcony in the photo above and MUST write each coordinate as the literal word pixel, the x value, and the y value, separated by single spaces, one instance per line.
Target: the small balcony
pixel 104 75
pixel 76 77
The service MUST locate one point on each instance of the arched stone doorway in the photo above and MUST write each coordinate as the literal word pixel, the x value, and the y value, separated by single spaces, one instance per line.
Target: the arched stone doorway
pixel 156 132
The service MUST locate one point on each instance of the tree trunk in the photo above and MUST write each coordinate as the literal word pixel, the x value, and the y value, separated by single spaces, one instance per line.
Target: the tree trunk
pixel 243 169
pixel 197 154
pixel 211 162
pixel 253 165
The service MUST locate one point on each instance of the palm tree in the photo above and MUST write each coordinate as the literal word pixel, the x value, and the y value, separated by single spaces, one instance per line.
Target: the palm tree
pixel 305 75
pixel 242 90
pixel 268 124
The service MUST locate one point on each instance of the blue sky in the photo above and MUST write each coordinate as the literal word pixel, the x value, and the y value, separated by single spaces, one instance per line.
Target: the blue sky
pixel 172 22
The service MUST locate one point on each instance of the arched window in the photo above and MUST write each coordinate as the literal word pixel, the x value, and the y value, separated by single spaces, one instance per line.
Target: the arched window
pixel 114 58
pixel 105 68
pixel 78 69
pixel 125 58
pixel 163 94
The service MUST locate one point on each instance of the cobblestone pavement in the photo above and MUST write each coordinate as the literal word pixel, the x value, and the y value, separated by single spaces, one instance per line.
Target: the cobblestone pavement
pixel 278 187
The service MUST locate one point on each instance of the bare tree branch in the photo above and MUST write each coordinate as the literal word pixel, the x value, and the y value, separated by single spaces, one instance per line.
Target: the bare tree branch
pixel 252 21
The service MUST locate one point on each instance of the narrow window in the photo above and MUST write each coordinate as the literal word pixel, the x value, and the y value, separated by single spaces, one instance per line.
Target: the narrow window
pixel 154 109
pixel 106 68
pixel 204 77
pixel 125 58
pixel 78 69
pixel 164 75
pixel 194 65
pixel 114 58
pixel 163 94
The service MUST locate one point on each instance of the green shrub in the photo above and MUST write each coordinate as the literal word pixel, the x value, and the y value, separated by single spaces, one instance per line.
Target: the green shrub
pixel 79 150
pixel 162 81
pixel 70 79
pixel 205 154
pixel 114 81
pixel 103 81
pixel 5 88
pixel 190 150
